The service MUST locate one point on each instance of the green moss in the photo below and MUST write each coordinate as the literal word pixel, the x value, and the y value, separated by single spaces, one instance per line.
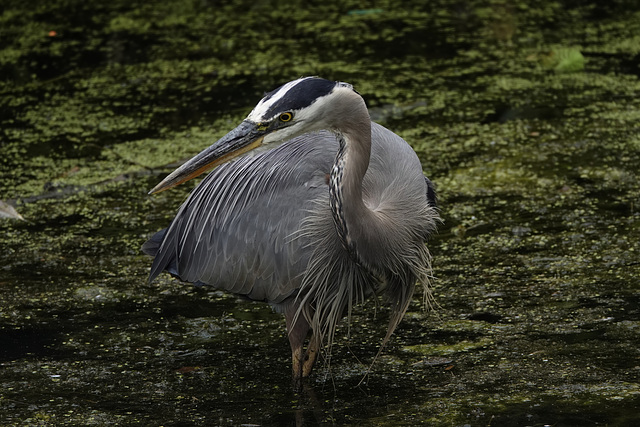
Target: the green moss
pixel 445 350
pixel 537 176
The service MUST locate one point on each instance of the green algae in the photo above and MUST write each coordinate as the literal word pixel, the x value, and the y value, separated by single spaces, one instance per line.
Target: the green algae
pixel 444 350
pixel 535 266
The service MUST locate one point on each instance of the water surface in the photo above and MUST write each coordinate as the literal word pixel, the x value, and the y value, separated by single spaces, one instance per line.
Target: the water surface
pixel 524 114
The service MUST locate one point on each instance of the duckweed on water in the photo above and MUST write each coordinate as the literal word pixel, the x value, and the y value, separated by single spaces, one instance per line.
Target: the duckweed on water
pixel 535 266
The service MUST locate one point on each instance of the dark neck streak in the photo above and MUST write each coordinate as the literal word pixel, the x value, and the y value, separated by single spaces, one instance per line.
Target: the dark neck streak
pixel 353 220
pixel 336 198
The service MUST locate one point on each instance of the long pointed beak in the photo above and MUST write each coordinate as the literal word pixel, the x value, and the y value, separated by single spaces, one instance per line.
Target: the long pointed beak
pixel 243 138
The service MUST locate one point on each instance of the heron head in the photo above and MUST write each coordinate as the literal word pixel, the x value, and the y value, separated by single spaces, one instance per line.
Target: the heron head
pixel 297 107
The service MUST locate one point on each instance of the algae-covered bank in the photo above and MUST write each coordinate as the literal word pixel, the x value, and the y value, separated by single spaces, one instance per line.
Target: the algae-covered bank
pixel 525 114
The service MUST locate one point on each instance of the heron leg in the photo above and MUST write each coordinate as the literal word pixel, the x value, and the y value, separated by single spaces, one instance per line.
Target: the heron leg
pixel 310 356
pixel 302 360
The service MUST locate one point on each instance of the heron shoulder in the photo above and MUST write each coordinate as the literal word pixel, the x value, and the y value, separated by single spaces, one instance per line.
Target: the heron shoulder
pixel 395 172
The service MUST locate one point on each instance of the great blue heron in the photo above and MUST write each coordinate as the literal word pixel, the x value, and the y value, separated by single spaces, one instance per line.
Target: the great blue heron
pixel 339 211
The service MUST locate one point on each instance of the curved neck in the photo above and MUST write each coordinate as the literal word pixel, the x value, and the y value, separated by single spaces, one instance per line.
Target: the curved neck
pixel 350 214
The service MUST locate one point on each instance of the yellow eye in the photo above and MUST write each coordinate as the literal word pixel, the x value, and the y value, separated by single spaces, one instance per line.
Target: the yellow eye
pixel 286 117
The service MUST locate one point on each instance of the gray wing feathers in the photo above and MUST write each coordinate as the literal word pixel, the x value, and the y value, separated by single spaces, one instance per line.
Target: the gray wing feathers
pixel 243 228
pixel 237 230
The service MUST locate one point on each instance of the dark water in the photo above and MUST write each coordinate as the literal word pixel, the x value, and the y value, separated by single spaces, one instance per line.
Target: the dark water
pixel 525 115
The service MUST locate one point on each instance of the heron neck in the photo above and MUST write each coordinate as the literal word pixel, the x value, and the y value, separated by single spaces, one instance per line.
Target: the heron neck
pixel 350 213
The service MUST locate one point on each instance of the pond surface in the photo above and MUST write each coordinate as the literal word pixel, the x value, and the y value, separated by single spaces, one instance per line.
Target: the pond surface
pixel 526 115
